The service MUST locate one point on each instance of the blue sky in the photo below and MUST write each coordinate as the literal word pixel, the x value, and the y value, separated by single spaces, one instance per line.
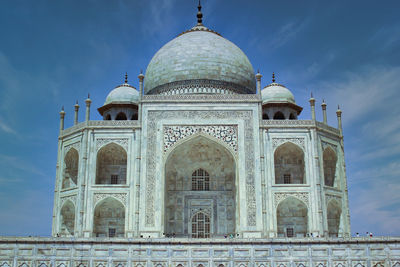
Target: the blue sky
pixel 53 53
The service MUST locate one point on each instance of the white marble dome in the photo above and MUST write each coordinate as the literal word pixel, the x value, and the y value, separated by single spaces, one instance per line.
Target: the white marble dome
pixel 277 93
pixel 200 55
pixel 122 94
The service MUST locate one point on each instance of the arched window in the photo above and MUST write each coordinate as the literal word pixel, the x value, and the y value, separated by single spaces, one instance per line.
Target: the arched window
pixel 279 116
pixel 292 116
pixel 201 225
pixel 71 161
pixel 265 116
pixel 111 165
pixel 67 214
pixel 109 219
pixel 134 116
pixel 289 164
pixel 108 117
pixel 121 117
pixel 200 180
pixel 329 166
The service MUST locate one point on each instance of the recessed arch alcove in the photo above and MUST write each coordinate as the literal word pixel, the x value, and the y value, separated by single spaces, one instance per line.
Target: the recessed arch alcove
pixel 329 166
pixel 334 212
pixel 200 176
pixel 71 161
pixel 289 164
pixel 67 218
pixel 111 165
pixel 292 218
pixel 109 218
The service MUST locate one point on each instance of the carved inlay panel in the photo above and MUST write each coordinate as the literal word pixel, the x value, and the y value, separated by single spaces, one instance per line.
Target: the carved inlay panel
pixel 100 142
pixel 279 141
pixel 329 197
pixel 100 196
pixel 151 162
pixel 278 197
pixel 76 145
pixel 71 198
pixel 224 133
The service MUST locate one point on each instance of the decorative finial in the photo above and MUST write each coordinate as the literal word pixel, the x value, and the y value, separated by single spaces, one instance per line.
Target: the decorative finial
pixel 88 95
pixel 199 15
pixel 126 77
pixel 141 71
pixel 273 77
pixel 312 95
pixel 76 102
pixel 62 108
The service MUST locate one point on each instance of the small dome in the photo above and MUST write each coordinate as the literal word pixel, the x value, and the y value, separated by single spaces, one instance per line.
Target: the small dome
pixel 203 56
pixel 276 93
pixel 123 93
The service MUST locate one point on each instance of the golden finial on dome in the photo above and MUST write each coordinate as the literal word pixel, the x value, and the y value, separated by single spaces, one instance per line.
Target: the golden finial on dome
pixel 273 77
pixel 199 15
pixel 126 77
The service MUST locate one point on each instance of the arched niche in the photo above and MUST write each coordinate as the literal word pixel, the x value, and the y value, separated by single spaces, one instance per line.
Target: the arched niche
pixel 292 218
pixel 200 225
pixel 334 212
pixel 67 219
pixel 111 165
pixel 109 218
pixel 279 116
pixel 330 159
pixel 108 117
pixel 71 164
pixel 121 117
pixel 200 157
pixel 292 116
pixel 289 164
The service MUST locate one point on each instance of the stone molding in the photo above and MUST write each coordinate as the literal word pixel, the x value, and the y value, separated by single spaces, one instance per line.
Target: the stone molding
pixel 228 134
pixel 300 141
pixel 302 196
pixel 97 197
pixel 100 142
pixel 82 125
pixel 325 145
pixel 287 123
pixel 155 116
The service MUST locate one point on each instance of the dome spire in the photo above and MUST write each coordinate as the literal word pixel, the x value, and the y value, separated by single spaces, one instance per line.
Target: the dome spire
pixel 199 15
pixel 273 77
pixel 126 77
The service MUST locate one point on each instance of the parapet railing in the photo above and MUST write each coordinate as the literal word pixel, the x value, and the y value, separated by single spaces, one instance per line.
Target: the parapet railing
pixel 299 124
pixel 101 124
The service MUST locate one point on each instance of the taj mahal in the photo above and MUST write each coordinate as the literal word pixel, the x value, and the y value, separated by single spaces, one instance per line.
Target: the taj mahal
pixel 201 162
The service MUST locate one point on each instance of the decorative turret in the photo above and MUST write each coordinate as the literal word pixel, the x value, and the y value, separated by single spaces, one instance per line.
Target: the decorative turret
pixel 76 106
pixel 62 116
pixel 312 104
pixel 88 102
pixel 323 105
pixel 121 103
pixel 258 78
pixel 278 102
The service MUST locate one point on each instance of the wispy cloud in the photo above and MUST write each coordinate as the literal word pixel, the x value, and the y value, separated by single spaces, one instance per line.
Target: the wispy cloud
pixel 6 128
pixel 19 164
pixel 287 33
pixel 159 15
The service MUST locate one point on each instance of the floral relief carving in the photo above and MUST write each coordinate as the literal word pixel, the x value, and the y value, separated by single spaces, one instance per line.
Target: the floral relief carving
pixel 279 141
pixel 100 196
pixel 151 163
pixel 225 133
pixel 100 142
pixel 278 197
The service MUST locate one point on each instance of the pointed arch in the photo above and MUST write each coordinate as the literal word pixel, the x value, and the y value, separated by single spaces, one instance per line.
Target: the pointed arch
pixel 219 166
pixel 111 164
pixel 329 159
pixel 289 164
pixel 121 116
pixel 292 116
pixel 200 225
pixel 71 165
pixel 109 218
pixel 200 180
pixel 334 212
pixel 108 117
pixel 279 116
pixel 67 218
pixel 292 218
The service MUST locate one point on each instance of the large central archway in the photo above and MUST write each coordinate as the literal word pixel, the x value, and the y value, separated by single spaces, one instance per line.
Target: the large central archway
pixel 200 179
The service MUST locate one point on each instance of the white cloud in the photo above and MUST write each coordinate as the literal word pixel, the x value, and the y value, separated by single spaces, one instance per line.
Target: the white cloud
pixel 160 17
pixel 6 128
pixel 287 32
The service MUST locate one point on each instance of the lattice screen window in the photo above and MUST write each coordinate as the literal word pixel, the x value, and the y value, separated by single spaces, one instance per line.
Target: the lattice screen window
pixel 289 232
pixel 111 232
pixel 114 179
pixel 200 180
pixel 201 225
pixel 287 179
